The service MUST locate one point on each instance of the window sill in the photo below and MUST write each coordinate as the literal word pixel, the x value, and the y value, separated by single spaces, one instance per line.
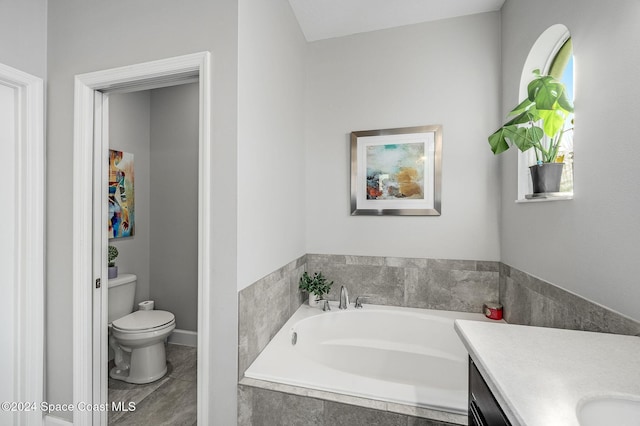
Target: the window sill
pixel 544 198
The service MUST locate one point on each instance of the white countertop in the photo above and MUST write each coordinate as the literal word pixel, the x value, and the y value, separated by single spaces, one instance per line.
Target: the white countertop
pixel 540 375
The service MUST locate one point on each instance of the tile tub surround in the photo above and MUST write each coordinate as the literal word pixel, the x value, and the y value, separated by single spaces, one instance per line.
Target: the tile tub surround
pixel 264 307
pixel 259 406
pixel 528 300
pixel 454 285
pixel 461 285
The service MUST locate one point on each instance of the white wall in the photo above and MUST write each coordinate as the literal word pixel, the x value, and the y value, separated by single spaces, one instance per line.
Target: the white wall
pixel 271 169
pixel 588 245
pixel 174 203
pixel 445 72
pixel 90 36
pixel 23 35
pixel 129 131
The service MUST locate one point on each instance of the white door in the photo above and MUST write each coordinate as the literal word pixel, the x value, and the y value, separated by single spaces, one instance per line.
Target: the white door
pixel 21 247
pixel 8 248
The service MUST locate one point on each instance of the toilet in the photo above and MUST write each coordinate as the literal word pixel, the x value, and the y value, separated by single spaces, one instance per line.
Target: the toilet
pixel 137 338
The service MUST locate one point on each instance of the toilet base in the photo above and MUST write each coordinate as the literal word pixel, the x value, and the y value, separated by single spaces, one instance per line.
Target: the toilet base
pixel 146 365
pixel 123 375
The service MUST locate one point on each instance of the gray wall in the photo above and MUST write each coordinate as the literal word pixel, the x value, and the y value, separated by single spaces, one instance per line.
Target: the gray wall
pixel 90 36
pixel 447 284
pixel 271 169
pixel 23 35
pixel 528 300
pixel 264 307
pixel 174 203
pixel 160 127
pixel 445 72
pixel 129 131
pixel 588 246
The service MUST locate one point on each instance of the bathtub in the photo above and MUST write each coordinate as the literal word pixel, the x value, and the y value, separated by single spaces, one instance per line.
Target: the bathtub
pixel 398 355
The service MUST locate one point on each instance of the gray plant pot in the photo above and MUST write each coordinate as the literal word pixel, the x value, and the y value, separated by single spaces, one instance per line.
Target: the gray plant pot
pixel 113 272
pixel 546 177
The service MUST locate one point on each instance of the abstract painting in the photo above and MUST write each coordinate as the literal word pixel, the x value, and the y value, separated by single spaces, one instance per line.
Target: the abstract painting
pixel 396 171
pixel 121 195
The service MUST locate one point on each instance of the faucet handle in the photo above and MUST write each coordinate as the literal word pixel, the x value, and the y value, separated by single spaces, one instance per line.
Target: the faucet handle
pixel 325 305
pixel 358 303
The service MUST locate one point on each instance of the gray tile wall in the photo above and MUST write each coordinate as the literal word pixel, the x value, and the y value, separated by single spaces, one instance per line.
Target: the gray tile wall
pixel 531 301
pixel 263 407
pixel 264 307
pixel 457 285
pixel 460 285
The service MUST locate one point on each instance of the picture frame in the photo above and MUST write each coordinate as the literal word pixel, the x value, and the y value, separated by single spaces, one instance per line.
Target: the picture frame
pixel 397 172
pixel 121 220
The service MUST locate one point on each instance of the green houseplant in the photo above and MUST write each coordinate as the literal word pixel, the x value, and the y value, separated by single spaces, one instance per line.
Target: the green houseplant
pixel 538 122
pixel 316 285
pixel 112 254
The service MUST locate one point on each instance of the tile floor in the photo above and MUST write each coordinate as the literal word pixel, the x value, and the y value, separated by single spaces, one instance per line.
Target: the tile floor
pixel 168 401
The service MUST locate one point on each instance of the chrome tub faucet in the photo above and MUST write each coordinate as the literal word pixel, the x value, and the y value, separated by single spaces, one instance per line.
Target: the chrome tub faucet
pixel 344 298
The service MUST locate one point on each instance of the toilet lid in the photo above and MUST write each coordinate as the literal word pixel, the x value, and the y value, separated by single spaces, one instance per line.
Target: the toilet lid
pixel 143 320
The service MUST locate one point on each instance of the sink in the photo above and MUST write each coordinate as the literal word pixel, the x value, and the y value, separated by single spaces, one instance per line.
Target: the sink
pixel 610 410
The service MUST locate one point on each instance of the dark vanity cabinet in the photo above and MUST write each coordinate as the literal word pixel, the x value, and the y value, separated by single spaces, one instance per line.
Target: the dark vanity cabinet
pixel 483 407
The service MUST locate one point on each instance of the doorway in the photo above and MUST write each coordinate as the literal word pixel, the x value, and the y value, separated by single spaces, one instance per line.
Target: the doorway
pixel 91 212
pixel 153 146
pixel 22 246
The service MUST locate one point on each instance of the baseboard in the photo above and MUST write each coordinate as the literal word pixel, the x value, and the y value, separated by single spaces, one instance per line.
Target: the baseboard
pixel 184 337
pixel 56 421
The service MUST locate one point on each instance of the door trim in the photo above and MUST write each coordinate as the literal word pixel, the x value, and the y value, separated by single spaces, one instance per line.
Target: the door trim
pixel 89 250
pixel 28 380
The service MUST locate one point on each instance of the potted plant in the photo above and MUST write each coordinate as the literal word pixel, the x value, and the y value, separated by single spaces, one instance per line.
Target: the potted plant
pixel 113 269
pixel 316 285
pixel 538 122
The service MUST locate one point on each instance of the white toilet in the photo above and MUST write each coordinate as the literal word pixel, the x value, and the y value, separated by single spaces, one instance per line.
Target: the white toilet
pixel 137 338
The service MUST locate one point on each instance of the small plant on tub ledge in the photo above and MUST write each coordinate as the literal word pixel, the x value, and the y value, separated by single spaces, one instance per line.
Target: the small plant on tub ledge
pixel 113 269
pixel 539 122
pixel 316 285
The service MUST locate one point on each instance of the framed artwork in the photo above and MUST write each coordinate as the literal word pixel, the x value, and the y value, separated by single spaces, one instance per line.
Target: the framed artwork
pixel 121 195
pixel 397 171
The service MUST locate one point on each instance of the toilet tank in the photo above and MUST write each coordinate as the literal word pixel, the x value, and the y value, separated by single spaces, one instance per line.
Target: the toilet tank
pixel 122 291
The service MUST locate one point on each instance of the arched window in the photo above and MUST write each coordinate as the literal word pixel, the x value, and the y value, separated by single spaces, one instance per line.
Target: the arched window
pixel 562 69
pixel 552 53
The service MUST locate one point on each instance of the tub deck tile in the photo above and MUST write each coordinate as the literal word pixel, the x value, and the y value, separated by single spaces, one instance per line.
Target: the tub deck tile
pixel 345 415
pixel 251 407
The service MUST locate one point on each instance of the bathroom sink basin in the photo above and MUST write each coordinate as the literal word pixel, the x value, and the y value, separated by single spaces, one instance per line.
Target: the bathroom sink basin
pixel 610 410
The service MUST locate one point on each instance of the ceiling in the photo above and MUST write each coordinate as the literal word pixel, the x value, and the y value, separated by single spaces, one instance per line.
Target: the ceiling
pixel 322 19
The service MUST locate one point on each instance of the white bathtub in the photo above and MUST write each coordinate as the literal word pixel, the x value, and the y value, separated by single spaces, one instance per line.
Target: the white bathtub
pixel 399 355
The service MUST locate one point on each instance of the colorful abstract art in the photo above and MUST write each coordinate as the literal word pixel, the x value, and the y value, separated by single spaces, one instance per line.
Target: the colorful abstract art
pixel 395 171
pixel 121 195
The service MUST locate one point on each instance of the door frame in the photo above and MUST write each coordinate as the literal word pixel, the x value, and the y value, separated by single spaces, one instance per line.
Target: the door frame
pixel 90 240
pixel 28 336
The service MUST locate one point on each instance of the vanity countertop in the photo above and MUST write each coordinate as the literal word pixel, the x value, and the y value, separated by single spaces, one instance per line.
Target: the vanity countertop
pixel 540 375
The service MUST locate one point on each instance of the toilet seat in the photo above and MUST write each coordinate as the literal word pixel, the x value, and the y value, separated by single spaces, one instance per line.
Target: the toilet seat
pixel 139 321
